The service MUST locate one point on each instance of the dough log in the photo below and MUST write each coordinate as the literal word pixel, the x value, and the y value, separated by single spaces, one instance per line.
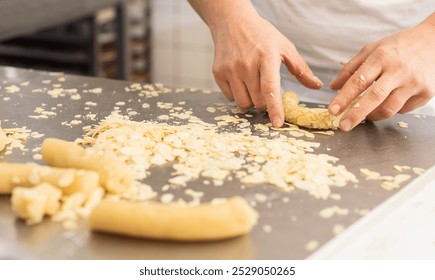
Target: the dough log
pixel 32 204
pixel 115 176
pixel 318 118
pixel 29 174
pixel 231 218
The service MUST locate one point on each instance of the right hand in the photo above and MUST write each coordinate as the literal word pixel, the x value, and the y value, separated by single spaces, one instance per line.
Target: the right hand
pixel 248 54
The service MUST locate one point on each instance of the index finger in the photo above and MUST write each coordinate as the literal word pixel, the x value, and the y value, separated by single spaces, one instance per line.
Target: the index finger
pixel 375 95
pixel 270 82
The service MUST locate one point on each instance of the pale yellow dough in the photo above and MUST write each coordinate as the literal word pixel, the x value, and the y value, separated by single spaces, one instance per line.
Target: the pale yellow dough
pixel 32 204
pixel 318 118
pixel 208 221
pixel 29 174
pixel 115 176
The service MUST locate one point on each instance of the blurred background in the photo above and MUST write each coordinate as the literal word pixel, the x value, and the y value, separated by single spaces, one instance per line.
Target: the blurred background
pixel 147 41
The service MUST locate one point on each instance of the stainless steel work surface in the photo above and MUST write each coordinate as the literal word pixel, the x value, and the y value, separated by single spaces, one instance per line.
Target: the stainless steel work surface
pixel 377 146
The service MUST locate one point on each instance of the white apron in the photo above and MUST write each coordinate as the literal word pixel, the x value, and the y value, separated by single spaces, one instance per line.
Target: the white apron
pixel 333 31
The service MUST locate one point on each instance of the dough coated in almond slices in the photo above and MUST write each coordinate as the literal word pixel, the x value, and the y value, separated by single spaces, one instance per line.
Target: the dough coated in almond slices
pixel 317 118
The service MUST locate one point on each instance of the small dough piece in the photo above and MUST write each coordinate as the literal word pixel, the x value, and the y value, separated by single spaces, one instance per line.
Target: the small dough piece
pixel 32 204
pixel 208 221
pixel 116 177
pixel 30 174
pixel 317 118
pixel 3 139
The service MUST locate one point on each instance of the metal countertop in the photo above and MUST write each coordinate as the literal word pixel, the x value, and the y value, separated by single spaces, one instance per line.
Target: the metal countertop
pixel 377 146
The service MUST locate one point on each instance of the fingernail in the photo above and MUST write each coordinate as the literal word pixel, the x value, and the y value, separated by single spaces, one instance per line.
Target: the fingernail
pixel 332 84
pixel 345 125
pixel 277 122
pixel 335 109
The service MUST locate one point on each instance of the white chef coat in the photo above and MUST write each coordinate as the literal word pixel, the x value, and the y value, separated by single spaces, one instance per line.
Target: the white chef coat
pixel 332 31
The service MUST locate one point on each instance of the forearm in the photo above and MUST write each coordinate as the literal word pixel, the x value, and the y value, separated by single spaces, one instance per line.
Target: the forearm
pixel 216 12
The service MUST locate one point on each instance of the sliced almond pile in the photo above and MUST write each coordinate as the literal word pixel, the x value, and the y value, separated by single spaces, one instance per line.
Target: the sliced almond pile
pixel 199 150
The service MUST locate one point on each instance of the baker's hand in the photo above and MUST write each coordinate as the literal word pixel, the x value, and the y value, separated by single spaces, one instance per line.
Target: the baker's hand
pixel 248 55
pixel 397 72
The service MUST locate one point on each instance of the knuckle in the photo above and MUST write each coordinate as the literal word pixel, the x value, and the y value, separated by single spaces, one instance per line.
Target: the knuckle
pixel 377 94
pixel 359 82
pixel 218 71
pixel 267 86
pixel 244 104
pixel 381 54
pixel 385 112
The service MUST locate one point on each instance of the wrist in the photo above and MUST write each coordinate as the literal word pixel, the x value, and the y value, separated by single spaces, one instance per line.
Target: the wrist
pixel 217 14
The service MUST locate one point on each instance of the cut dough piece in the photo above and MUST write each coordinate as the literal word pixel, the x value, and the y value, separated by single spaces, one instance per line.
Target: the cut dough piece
pixel 3 139
pixel 209 221
pixel 30 174
pixel 116 177
pixel 318 118
pixel 32 204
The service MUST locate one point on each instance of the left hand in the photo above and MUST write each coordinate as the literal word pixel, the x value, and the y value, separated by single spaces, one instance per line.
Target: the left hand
pixel 398 73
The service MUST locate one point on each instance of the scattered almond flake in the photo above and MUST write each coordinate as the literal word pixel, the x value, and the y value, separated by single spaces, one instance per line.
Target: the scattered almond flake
pixel 387 182
pixel 249 115
pixel 417 116
pixel 321 106
pixel 361 212
pixel 259 197
pixel 357 105
pixel 145 105
pixel 418 170
pixel 329 212
pixel 36 135
pixel 324 132
pixel 56 92
pixel 46 81
pixel 370 175
pixel 61 79
pixel 401 168
pixel 267 228
pixel 285 199
pixel 261 127
pixel 179 90
pixel 402 124
pixel 6 98
pixel 206 91
pixel 163 117
pixel 211 109
pixel 335 196
pixel 167 198
pixel 194 194
pixel 95 90
pixel 37 90
pixel 71 90
pixel 12 89
pixel 71 123
pixel 37 157
pixel 296 133
pixel 338 228
pixel 311 245
pixel 91 104
pixel 120 103
pixel 76 97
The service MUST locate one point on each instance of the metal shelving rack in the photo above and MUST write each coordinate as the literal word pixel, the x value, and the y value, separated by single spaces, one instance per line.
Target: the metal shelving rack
pixel 113 42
